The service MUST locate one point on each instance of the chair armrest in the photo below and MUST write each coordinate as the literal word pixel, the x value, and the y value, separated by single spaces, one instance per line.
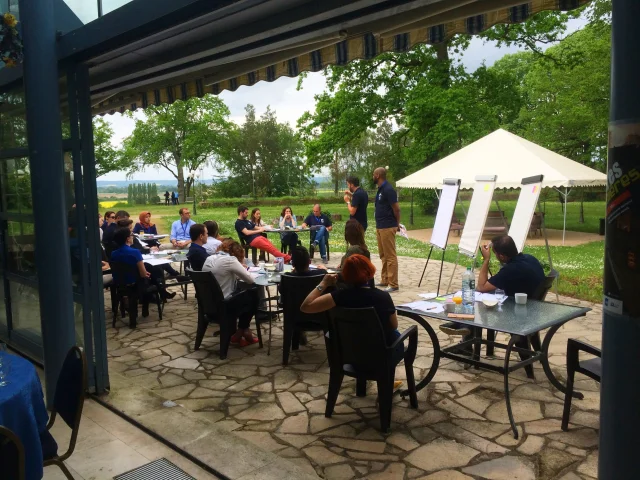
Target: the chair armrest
pixel 574 345
pixel 412 331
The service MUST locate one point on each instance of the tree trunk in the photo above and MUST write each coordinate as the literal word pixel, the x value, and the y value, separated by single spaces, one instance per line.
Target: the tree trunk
pixel 181 185
pixel 581 208
pixel 336 174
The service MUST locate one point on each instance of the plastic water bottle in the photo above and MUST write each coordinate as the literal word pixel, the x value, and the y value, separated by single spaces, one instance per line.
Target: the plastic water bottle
pixel 468 290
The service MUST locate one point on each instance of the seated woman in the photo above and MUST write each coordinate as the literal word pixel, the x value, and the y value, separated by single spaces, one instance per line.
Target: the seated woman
pixel 300 260
pixel 228 268
pixel 109 218
pixel 213 240
pixel 354 237
pixel 358 271
pixel 288 219
pixel 256 217
pixel 145 227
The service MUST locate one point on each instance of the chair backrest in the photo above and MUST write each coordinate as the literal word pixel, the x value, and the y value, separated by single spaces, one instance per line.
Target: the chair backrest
pixel 208 291
pixel 542 290
pixel 357 338
pixel 120 271
pixel 11 455
pixel 293 291
pixel 70 389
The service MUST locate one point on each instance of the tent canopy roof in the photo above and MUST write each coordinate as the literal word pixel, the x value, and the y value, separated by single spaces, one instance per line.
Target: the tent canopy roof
pixel 511 158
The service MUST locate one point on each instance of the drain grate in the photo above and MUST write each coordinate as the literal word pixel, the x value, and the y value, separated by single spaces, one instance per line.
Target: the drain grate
pixel 161 469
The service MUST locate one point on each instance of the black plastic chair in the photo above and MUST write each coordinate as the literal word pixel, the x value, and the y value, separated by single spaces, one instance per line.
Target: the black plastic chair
pixel 68 402
pixel 133 292
pixel 357 348
pixel 592 368
pixel 11 455
pixel 293 291
pixel 213 307
pixel 247 247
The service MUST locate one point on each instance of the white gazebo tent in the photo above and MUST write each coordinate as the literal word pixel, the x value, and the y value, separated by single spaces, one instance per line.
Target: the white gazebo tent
pixel 511 158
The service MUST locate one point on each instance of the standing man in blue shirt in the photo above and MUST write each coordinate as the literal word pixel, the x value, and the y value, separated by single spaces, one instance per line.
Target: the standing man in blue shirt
pixel 387 213
pixel 357 201
pixel 321 224
pixel 180 236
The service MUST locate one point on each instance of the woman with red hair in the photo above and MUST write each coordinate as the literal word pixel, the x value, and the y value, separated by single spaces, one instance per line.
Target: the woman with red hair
pixel 357 271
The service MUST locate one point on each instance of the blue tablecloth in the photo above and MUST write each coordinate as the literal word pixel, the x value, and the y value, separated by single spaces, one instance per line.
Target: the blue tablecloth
pixel 22 410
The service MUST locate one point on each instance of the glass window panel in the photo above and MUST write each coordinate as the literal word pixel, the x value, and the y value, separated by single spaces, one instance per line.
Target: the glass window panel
pixel 16 182
pixel 13 119
pixel 79 322
pixel 25 311
pixel 85 10
pixel 111 5
pixel 21 248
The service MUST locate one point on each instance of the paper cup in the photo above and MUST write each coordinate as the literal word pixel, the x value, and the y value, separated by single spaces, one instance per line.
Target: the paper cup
pixel 521 298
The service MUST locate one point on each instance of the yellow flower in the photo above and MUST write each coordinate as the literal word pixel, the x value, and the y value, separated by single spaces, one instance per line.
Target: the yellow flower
pixel 10 20
pixel 9 62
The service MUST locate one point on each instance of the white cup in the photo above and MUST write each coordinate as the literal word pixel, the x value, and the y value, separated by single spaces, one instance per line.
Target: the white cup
pixel 449 307
pixel 521 298
pixel 261 265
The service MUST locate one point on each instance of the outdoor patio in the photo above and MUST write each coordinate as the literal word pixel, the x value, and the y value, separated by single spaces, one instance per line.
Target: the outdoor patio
pixel 460 430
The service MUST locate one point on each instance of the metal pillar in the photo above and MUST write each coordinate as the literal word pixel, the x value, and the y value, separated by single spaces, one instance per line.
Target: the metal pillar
pixel 620 389
pixel 44 132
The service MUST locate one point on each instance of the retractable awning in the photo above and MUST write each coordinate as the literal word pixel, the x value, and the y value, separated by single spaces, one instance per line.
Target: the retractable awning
pixel 233 46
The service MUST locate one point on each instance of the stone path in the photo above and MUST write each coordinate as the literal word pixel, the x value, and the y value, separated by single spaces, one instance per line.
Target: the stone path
pixel 459 431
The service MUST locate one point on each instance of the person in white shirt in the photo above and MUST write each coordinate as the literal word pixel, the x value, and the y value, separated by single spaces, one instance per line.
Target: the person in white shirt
pixel 213 240
pixel 288 219
pixel 228 269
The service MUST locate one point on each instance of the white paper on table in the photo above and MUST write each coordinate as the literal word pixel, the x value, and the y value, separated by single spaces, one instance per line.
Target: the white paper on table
pixel 254 269
pixel 158 261
pixel 428 296
pixel 422 306
pixel 147 256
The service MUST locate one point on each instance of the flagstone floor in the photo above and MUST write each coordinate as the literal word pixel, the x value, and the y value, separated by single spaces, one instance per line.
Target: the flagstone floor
pixel 459 431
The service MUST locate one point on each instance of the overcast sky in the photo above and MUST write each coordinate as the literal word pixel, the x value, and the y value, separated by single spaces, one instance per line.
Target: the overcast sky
pixel 288 103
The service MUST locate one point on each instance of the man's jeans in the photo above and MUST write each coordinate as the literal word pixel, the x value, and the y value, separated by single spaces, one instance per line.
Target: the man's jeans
pixel 322 236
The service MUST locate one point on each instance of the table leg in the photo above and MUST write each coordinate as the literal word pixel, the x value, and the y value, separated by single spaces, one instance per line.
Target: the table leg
pixel 436 351
pixel 507 396
pixel 545 363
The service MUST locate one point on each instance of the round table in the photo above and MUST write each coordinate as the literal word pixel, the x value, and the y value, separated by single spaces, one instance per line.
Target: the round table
pixel 22 410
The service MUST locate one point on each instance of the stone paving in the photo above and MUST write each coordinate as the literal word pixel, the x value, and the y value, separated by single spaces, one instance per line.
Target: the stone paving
pixel 459 431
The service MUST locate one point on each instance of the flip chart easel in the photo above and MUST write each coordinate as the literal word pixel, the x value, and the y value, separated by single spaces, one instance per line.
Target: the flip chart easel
pixel 475 220
pixel 528 201
pixel 442 225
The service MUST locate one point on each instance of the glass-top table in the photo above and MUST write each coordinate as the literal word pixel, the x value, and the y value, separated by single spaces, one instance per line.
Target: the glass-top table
pixel 520 322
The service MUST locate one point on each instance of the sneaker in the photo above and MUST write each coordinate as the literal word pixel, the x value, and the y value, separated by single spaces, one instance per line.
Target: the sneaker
pixel 382 284
pixel 324 259
pixel 453 331
pixel 391 289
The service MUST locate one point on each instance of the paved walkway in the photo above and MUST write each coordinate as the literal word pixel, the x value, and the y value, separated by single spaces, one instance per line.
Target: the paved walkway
pixel 554 236
pixel 459 431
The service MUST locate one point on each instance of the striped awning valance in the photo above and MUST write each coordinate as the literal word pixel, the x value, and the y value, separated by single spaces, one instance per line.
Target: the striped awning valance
pixel 336 52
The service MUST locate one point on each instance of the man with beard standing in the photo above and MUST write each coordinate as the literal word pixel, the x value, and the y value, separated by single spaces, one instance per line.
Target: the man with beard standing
pixel 357 201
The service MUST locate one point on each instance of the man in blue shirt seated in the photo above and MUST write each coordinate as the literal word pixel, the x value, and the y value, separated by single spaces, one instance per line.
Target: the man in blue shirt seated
pixel 180 237
pixel 197 254
pixel 520 273
pixel 321 224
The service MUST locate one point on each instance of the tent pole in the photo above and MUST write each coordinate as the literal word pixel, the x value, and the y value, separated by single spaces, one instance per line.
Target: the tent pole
pixel 546 244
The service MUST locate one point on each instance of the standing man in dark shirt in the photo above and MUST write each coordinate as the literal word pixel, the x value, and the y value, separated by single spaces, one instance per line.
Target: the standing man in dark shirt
pixel 520 273
pixel 197 254
pixel 357 201
pixel 387 213
pixel 321 226
pixel 248 232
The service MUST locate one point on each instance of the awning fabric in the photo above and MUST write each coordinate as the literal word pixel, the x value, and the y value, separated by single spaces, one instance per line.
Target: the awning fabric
pixel 365 46
pixel 511 158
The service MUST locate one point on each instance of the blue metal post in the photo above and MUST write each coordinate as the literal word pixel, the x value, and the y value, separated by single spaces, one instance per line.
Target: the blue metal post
pixel 44 133
pixel 620 389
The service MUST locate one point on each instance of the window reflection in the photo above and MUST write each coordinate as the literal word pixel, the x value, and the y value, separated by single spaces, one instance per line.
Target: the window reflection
pixel 25 311
pixel 16 180
pixel 21 248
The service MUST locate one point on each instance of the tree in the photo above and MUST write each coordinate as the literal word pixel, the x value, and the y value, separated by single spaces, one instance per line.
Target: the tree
pixel 107 156
pixel 130 197
pixel 179 136
pixel 271 147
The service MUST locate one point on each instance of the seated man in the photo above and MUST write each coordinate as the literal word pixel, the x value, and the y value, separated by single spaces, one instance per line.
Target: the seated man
pixel 321 224
pixel 197 254
pixel 519 273
pixel 251 234
pixel 180 237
